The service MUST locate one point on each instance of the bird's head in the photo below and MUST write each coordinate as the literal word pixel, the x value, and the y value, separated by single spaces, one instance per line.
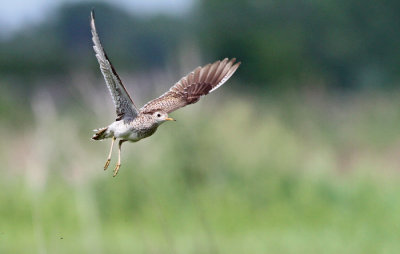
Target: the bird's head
pixel 161 117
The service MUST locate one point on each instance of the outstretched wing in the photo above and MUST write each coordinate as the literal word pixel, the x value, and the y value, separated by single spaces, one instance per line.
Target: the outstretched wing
pixel 124 105
pixel 189 89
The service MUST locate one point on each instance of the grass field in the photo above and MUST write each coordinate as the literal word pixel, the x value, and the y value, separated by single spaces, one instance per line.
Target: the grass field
pixel 284 174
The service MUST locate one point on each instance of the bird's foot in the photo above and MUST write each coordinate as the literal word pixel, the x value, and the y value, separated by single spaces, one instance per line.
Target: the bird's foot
pixel 107 163
pixel 116 169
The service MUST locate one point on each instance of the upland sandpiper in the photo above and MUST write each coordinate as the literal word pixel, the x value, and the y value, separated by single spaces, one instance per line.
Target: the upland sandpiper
pixel 134 124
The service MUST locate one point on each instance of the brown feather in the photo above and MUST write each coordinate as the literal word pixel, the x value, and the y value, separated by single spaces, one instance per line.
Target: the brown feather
pixel 197 74
pixel 211 72
pixel 203 73
pixel 219 70
pixel 190 88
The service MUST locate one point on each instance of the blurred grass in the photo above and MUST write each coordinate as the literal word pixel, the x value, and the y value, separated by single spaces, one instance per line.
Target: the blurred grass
pixel 285 174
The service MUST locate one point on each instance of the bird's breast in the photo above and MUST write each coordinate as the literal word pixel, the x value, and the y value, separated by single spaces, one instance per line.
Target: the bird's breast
pixel 139 129
pixel 146 132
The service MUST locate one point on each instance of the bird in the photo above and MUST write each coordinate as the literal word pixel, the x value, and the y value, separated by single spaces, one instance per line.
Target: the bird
pixel 133 124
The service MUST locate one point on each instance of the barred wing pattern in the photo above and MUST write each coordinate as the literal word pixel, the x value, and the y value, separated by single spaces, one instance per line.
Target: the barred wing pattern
pixel 125 108
pixel 201 81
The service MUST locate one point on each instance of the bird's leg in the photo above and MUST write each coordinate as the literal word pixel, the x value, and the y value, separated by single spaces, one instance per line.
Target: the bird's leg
pixel 119 157
pixel 109 154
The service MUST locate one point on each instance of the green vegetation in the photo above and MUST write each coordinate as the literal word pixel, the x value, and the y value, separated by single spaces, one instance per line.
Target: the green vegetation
pixel 278 175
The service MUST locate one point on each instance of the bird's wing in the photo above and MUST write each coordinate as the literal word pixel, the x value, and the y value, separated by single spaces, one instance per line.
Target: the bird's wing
pixel 189 89
pixel 124 105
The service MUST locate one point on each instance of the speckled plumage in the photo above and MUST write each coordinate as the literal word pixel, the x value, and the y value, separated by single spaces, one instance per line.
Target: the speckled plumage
pixel 133 124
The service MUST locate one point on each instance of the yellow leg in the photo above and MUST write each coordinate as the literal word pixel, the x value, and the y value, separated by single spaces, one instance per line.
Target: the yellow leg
pixel 109 154
pixel 119 157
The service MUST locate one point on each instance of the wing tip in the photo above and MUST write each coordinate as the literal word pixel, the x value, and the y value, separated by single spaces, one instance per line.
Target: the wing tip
pixel 235 65
pixel 232 69
pixel 92 22
pixel 92 13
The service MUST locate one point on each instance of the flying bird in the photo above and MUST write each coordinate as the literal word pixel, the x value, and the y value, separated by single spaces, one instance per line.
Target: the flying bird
pixel 133 124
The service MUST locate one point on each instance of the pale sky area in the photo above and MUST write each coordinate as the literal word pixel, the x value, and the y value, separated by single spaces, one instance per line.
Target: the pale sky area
pixel 15 13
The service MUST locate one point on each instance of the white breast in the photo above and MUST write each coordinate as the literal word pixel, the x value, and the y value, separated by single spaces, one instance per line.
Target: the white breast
pixel 123 131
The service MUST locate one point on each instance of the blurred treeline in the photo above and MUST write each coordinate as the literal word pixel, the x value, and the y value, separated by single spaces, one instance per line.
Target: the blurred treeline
pixel 284 44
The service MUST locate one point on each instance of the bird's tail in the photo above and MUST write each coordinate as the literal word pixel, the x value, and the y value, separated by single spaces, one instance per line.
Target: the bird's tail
pixel 100 133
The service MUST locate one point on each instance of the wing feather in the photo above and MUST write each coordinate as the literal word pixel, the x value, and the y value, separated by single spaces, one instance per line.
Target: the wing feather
pixel 229 74
pixel 190 88
pixel 124 106
pixel 219 70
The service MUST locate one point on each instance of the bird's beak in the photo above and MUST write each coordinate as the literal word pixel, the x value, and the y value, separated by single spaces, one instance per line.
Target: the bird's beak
pixel 169 119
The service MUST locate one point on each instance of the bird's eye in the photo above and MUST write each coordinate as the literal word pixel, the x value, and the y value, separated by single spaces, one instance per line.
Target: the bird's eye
pixel 158 115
